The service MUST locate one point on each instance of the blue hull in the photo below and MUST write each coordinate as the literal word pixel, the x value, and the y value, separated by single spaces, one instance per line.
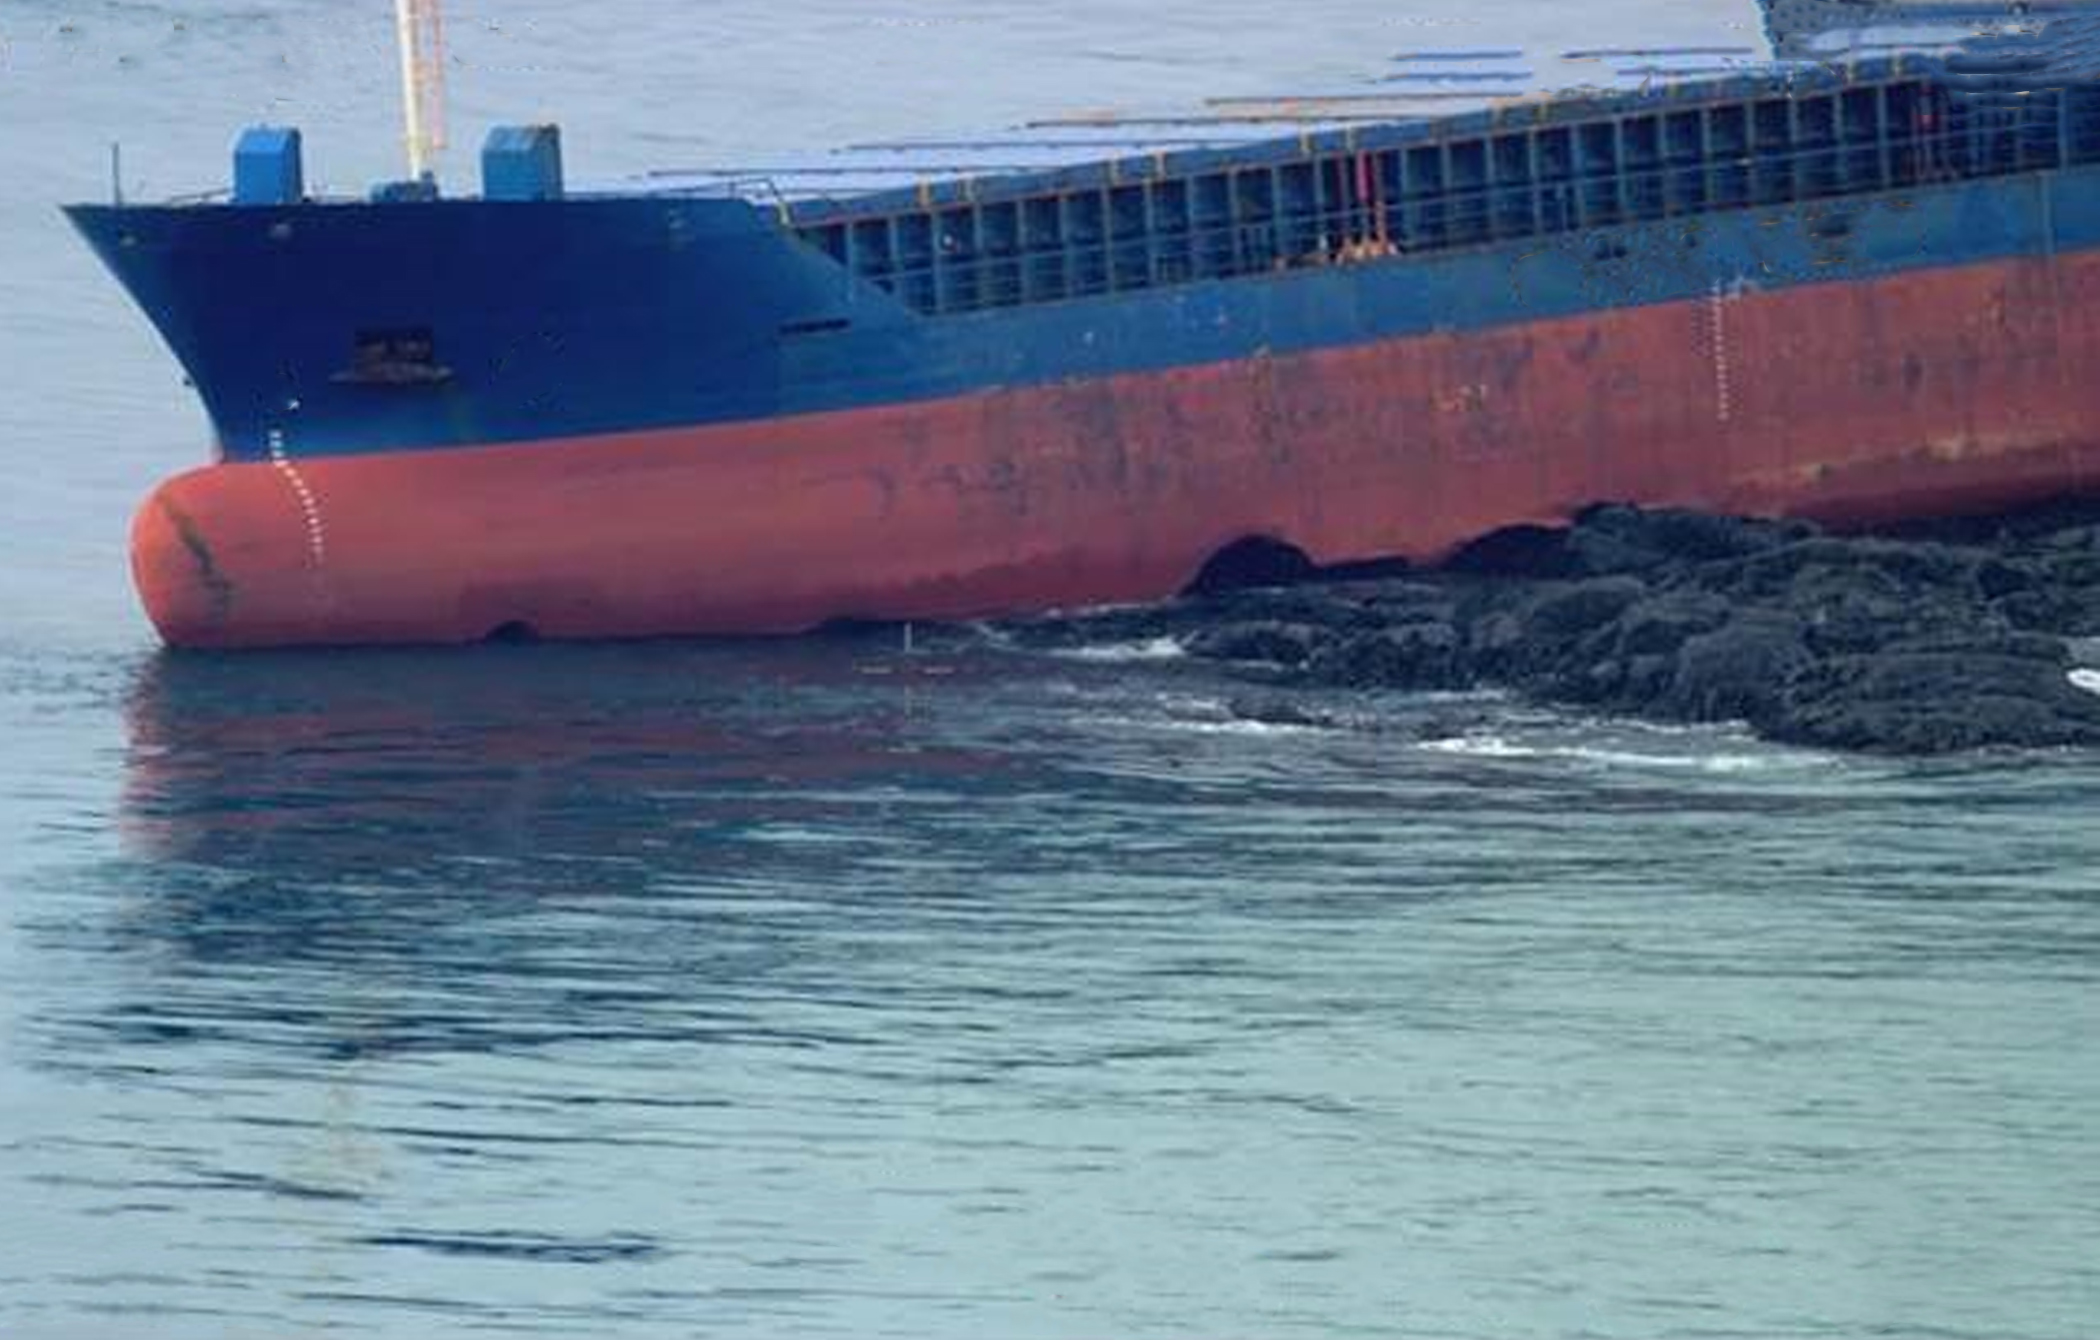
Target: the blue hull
pixel 578 318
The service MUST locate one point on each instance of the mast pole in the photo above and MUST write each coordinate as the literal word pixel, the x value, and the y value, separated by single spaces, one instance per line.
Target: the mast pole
pixel 420 34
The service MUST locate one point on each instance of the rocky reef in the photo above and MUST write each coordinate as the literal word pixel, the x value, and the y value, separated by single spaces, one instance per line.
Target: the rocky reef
pixel 1958 635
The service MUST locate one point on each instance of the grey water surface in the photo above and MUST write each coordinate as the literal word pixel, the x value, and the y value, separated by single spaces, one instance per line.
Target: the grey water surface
pixel 817 987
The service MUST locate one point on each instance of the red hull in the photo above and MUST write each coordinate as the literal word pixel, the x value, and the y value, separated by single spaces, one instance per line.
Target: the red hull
pixel 1922 393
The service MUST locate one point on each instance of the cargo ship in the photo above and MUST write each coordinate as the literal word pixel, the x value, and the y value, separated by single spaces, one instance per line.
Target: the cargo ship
pixel 1077 363
pixel 1821 27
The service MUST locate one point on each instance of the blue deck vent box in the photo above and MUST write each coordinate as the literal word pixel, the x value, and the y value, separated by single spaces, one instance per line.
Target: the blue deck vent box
pixel 266 167
pixel 522 163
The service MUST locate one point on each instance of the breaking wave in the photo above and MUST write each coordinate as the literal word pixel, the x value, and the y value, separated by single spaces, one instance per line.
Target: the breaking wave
pixel 1490 745
pixel 1119 653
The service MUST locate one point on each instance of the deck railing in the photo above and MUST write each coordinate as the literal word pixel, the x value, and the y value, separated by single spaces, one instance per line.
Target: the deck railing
pixel 1435 195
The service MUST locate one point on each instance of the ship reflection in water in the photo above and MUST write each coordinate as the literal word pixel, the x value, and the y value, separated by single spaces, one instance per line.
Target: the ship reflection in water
pixel 509 754
pixel 469 812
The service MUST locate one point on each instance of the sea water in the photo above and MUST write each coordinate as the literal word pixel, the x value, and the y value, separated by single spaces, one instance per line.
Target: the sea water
pixel 823 985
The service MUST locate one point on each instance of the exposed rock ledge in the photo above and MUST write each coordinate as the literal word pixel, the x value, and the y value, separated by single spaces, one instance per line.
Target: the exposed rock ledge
pixel 1958 635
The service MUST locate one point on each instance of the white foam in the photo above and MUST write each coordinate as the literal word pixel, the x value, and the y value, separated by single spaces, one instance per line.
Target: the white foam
pixel 1479 746
pixel 2089 680
pixel 1152 649
pixel 1500 747
pixel 1723 763
pixel 1245 726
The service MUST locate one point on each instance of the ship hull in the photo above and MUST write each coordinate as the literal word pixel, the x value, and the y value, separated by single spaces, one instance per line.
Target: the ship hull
pixel 1927 391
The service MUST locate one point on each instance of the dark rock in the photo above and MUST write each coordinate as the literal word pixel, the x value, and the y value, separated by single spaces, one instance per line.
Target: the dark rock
pixel 1647 678
pixel 1671 536
pixel 2080 539
pixel 1996 578
pixel 1515 632
pixel 1410 656
pixel 1660 626
pixel 1933 702
pixel 1815 567
pixel 1325 607
pixel 1998 530
pixel 1599 553
pixel 1253 563
pixel 1614 539
pixel 1987 641
pixel 1565 611
pixel 2078 568
pixel 1738 671
pixel 1534 552
pixel 1410 602
pixel 1958 635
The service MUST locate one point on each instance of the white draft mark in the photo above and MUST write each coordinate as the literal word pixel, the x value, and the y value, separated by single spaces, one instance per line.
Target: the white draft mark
pixel 1717 344
pixel 309 506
